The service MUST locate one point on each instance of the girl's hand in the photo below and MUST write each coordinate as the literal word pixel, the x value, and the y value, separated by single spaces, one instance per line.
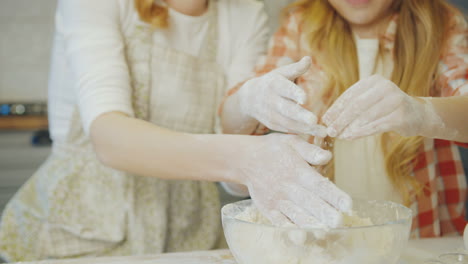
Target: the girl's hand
pixel 274 100
pixel 375 105
pixel 285 188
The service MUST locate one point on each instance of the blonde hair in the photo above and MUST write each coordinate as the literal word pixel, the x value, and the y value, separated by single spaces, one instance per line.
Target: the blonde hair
pixel 418 47
pixel 152 13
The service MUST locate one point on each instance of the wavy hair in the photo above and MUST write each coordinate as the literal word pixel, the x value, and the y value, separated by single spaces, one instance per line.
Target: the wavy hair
pixel 419 43
pixel 152 13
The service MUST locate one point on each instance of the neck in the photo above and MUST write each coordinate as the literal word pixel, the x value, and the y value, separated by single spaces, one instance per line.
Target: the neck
pixel 373 29
pixel 189 7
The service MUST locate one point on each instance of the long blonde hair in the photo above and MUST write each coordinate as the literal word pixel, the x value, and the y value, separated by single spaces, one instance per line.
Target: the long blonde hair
pixel 418 47
pixel 152 13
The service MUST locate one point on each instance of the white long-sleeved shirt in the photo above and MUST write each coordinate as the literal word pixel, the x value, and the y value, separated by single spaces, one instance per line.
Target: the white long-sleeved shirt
pixel 362 160
pixel 89 67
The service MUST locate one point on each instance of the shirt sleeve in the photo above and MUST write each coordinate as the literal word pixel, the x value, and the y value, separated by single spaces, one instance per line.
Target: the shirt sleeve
pixel 250 24
pixel 451 188
pixel 94 50
pixel 251 43
pixel 283 47
pixel 454 62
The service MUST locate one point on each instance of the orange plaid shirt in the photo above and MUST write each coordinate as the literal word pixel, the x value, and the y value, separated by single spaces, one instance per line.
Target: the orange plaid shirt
pixel 439 211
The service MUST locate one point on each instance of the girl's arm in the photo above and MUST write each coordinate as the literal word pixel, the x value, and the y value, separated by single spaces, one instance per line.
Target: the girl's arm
pixel 273 99
pixel 376 105
pixel 447 118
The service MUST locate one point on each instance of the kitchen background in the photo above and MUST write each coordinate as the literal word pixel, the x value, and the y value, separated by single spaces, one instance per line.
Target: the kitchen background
pixel 26 28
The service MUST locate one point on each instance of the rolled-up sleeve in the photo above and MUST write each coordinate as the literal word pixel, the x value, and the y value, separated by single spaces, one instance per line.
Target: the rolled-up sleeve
pixel 95 51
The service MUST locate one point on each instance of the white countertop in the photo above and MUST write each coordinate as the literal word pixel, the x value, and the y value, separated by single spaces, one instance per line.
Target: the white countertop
pixel 421 250
pixel 417 252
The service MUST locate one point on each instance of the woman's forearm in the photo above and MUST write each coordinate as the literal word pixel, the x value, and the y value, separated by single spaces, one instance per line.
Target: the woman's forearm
pixel 142 148
pixel 446 118
pixel 233 120
pixel 275 168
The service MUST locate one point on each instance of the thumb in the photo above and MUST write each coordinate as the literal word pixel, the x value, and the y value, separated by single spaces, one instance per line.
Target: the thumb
pixel 311 153
pixel 294 70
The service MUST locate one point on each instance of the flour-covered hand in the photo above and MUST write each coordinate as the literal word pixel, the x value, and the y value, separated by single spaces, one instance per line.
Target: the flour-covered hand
pixel 275 101
pixel 285 188
pixel 376 105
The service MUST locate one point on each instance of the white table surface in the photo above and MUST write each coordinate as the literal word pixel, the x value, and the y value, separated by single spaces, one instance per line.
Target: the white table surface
pixel 420 250
pixel 416 253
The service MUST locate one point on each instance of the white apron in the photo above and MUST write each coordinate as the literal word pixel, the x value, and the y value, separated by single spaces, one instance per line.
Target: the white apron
pixel 73 206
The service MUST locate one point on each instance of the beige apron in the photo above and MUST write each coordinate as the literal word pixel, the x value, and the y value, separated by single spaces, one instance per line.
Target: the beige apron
pixel 74 206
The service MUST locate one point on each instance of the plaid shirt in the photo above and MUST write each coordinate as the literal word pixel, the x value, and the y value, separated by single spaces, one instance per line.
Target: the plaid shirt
pixel 439 210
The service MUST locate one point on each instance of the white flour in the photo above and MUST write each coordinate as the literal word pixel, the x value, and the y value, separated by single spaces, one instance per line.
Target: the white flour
pixel 267 244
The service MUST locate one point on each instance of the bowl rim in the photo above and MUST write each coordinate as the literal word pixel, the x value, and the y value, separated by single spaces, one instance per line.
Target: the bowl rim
pixel 290 228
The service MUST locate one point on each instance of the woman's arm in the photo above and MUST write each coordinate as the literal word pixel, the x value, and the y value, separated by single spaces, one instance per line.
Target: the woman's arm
pixel 139 147
pixel 274 168
pixel 91 33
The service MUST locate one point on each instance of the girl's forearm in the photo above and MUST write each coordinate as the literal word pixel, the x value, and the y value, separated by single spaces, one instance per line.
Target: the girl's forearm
pixel 446 118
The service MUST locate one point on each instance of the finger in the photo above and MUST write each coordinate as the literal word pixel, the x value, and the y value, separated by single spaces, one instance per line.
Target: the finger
pixel 278 128
pixel 269 116
pixel 361 103
pixel 294 70
pixel 294 111
pixel 329 192
pixel 365 107
pixel 273 215
pixel 309 152
pixel 297 127
pixel 292 126
pixel 315 206
pixel 384 124
pixel 288 89
pixel 277 218
pixel 346 98
pixel 277 122
pixel 297 215
pixel 318 141
pixel 274 127
pixel 376 112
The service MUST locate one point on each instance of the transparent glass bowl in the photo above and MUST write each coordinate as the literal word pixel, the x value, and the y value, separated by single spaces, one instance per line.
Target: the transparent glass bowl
pixel 380 243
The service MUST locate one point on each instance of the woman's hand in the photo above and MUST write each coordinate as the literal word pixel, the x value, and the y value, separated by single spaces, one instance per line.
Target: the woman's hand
pixel 283 185
pixel 375 105
pixel 274 100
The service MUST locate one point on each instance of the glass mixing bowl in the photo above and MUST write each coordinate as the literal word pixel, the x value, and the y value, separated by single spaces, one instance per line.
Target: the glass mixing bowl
pixel 379 243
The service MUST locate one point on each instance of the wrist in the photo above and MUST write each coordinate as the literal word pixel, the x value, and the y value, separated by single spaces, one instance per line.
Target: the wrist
pixel 429 121
pixel 227 154
pixel 236 118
